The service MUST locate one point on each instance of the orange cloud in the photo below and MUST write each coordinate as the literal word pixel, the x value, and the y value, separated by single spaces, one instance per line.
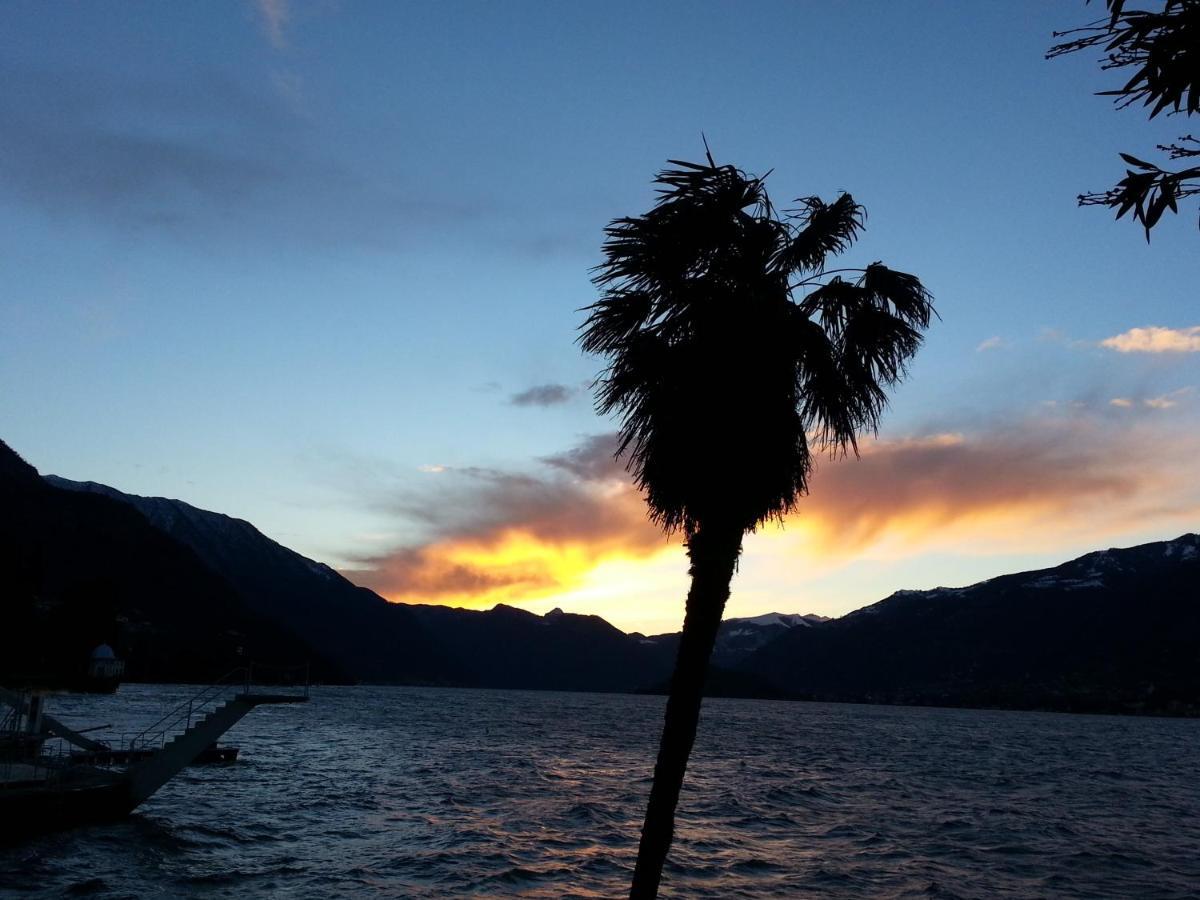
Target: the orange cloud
pixel 1156 339
pixel 517 538
pixel 1028 481
pixel 506 537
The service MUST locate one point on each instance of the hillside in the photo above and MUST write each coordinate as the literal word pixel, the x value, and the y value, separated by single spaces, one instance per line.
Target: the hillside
pixel 78 570
pixel 512 648
pixel 1116 630
pixel 376 641
pixel 183 590
pixel 367 637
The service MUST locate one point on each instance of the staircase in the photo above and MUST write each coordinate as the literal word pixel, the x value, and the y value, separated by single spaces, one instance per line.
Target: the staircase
pixel 200 731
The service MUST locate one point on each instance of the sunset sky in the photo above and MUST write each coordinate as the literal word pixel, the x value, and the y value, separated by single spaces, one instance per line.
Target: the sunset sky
pixel 319 266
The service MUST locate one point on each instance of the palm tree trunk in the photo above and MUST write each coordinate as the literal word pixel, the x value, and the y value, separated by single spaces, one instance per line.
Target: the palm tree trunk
pixel 714 554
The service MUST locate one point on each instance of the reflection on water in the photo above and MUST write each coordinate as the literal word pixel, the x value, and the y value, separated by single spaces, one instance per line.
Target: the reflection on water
pixel 411 792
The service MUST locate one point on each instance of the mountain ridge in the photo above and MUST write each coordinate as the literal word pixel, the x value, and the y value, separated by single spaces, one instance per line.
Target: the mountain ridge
pixel 78 570
pixel 379 641
pixel 1111 630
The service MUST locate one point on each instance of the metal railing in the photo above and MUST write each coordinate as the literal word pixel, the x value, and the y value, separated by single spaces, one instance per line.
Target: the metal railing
pixel 43 768
pixel 155 734
pixel 255 678
pixel 248 678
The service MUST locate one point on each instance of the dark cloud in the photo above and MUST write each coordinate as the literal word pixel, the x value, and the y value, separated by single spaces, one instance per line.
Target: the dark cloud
pixel 594 459
pixel 199 155
pixel 543 395
pixel 476 504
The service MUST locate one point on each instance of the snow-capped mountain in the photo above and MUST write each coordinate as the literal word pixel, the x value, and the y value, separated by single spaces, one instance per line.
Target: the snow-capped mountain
pixel 1114 630
pixel 787 620
pixel 740 637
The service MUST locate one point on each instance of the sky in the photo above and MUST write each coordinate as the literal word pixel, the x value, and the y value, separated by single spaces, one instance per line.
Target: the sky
pixel 319 265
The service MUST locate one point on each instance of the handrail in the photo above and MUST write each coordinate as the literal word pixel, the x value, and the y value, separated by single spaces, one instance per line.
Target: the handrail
pixel 160 728
pixel 182 714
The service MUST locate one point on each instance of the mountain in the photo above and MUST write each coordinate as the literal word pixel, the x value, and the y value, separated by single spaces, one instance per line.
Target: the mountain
pixel 1113 631
pixel 366 636
pixel 80 570
pixel 377 641
pixel 506 647
pixel 186 589
pixel 738 638
pixel 15 473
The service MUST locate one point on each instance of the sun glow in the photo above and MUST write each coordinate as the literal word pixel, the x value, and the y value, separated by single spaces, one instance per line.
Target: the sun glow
pixel 517 567
pixel 944 508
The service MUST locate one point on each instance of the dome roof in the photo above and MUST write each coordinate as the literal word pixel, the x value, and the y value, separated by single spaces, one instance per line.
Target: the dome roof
pixel 103 652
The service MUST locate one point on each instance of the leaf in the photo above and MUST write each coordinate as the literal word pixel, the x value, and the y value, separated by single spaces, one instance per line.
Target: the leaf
pixel 1134 161
pixel 1157 205
pixel 1169 188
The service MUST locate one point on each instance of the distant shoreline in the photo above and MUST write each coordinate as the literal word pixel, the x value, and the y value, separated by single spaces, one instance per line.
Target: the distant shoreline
pixel 1189 712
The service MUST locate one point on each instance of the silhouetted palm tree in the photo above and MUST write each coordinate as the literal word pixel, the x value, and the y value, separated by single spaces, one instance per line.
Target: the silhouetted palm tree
pixel 734 355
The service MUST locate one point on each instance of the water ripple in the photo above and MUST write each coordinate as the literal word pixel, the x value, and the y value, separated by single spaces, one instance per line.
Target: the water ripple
pixel 404 792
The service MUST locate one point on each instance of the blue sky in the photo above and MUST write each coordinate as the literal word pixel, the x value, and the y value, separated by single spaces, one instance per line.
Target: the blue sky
pixel 293 261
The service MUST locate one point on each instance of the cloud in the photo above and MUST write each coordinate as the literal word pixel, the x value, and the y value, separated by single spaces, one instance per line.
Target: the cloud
pixel 1155 339
pixel 593 459
pixel 543 395
pixel 198 156
pixel 1168 401
pixel 1035 476
pixel 1164 401
pixel 991 343
pixel 495 536
pixel 274 15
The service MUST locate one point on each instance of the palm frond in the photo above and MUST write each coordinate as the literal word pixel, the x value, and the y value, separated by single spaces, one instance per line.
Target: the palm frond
pixel 837 397
pixel 876 348
pixel 904 293
pixel 832 303
pixel 718 374
pixel 823 229
pixel 615 319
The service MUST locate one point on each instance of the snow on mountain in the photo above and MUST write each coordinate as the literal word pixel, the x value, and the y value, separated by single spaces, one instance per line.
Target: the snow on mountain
pixel 1092 571
pixel 787 620
pixel 1187 549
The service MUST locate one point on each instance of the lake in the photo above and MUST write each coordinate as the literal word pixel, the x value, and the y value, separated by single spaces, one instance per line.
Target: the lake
pixel 425 792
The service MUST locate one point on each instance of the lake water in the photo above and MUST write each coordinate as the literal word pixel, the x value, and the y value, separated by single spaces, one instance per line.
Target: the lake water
pixel 411 792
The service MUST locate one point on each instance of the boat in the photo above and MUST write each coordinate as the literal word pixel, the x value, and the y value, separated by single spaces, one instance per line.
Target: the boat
pixel 53 776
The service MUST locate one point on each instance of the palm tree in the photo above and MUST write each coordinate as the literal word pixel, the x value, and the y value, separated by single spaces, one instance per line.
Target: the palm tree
pixel 733 357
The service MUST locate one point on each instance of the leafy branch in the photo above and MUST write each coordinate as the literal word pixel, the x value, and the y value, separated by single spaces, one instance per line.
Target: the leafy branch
pixel 1162 48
